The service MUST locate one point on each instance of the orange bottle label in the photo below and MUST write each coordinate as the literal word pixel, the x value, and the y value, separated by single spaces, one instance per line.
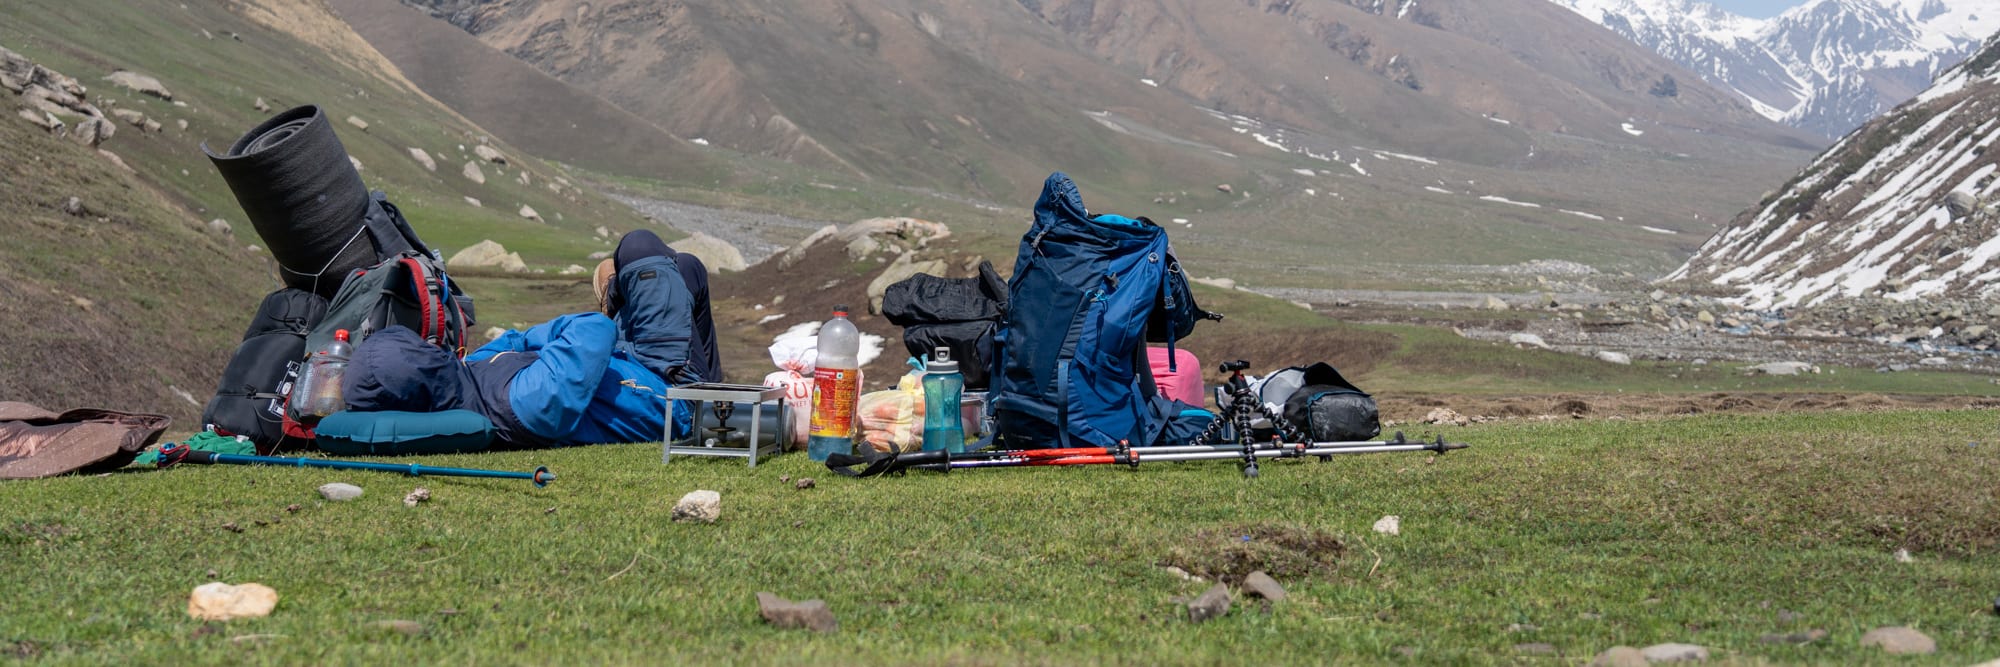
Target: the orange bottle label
pixel 836 392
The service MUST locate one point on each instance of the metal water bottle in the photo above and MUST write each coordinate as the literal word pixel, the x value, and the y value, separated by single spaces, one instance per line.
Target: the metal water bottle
pixel 944 388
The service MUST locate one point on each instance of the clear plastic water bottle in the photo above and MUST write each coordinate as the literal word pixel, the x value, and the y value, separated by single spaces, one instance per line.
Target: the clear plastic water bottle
pixel 944 387
pixel 319 385
pixel 836 388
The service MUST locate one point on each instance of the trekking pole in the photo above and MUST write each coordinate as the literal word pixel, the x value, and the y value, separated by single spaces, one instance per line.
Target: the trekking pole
pixel 173 454
pixel 939 461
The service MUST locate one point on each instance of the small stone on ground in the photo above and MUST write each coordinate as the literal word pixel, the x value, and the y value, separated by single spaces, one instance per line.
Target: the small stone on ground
pixel 1263 586
pixel 217 601
pixel 704 506
pixel 1620 656
pixel 1536 648
pixel 785 613
pixel 1897 640
pixel 1806 637
pixel 420 495
pixel 1674 653
pixel 1211 604
pixel 339 491
pixel 1389 525
pixel 405 627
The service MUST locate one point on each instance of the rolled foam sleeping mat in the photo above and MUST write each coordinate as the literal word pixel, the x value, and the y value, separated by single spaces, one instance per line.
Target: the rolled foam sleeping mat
pixel 293 178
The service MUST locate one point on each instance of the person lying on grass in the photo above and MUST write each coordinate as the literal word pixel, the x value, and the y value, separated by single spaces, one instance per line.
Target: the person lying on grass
pixel 560 383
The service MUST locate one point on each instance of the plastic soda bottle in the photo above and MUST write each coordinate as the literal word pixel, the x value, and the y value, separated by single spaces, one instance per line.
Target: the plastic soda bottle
pixel 319 386
pixel 836 388
pixel 943 389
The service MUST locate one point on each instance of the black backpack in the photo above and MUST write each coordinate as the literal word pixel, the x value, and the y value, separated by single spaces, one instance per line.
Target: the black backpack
pixel 958 313
pixel 250 399
pixel 1328 408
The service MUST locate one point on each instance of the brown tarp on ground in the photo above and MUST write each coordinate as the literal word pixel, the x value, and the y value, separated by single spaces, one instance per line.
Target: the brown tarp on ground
pixel 38 443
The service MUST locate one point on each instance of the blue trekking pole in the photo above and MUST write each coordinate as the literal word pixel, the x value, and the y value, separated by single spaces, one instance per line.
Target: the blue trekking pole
pixel 178 453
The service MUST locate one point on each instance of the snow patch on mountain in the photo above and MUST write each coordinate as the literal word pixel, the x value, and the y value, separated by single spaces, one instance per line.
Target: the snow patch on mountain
pixel 1908 207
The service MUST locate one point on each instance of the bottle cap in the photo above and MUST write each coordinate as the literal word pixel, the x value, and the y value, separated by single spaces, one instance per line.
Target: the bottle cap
pixel 840 310
pixel 941 362
pixel 340 335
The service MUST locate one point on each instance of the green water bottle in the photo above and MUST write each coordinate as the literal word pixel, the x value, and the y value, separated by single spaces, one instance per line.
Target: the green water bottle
pixel 943 388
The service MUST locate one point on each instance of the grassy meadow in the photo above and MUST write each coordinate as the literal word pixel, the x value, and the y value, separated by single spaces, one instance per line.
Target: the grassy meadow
pixel 1561 537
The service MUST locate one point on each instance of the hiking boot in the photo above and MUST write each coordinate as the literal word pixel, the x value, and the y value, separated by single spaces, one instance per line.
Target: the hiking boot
pixel 607 270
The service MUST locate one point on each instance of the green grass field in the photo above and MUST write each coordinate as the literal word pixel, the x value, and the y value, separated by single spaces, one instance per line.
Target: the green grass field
pixel 1579 535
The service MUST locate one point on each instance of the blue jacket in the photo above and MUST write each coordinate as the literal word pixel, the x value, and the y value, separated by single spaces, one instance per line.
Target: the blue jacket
pixel 559 383
pixel 564 383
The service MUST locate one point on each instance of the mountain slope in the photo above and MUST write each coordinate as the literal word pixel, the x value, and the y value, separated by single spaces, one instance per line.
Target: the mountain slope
pixel 828 82
pixel 136 300
pixel 543 115
pixel 1898 209
pixel 1825 66
pixel 1401 129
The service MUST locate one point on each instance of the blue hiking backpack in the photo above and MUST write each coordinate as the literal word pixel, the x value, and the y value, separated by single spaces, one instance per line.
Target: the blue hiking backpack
pixel 1069 367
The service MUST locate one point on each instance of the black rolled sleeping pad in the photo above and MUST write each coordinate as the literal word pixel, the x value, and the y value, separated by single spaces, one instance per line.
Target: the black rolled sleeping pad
pixel 293 178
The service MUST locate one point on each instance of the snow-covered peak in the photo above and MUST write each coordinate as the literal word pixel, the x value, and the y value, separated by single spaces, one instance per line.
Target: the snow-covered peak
pixel 1824 65
pixel 1688 16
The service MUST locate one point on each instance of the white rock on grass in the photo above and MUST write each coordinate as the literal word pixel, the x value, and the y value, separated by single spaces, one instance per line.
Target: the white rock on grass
pixel 1897 640
pixel 473 173
pixel 1784 368
pixel 1528 340
pixel 217 601
pixel 140 83
pixel 339 491
pixel 1389 525
pixel 1446 416
pixel 423 158
pixel 1620 656
pixel 529 213
pixel 715 253
pixel 1610 357
pixel 487 253
pixel 704 506
pixel 1674 653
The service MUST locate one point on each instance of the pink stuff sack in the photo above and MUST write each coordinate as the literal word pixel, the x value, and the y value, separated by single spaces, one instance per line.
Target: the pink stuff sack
pixel 1182 385
pixel 798 402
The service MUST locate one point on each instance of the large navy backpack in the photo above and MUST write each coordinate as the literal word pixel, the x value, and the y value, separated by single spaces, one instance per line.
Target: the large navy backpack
pixel 1070 366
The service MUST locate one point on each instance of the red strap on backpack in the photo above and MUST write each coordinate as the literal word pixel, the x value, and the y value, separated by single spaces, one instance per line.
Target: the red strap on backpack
pixel 432 313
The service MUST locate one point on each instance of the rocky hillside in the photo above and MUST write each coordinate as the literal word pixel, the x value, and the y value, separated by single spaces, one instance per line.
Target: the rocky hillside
pixel 1825 66
pixel 994 85
pixel 1901 209
pixel 129 270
